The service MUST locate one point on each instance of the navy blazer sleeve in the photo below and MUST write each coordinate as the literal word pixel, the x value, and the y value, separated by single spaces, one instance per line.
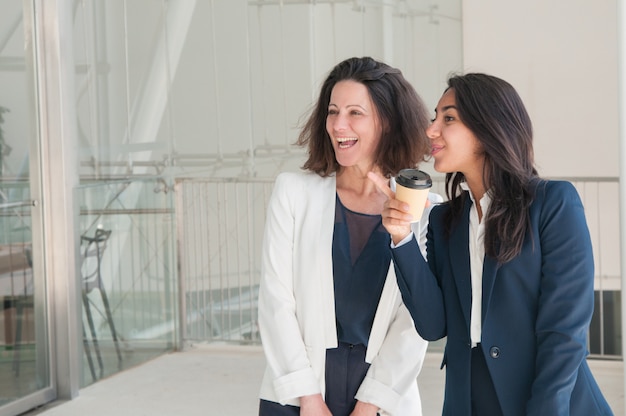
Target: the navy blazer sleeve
pixel 565 303
pixel 420 289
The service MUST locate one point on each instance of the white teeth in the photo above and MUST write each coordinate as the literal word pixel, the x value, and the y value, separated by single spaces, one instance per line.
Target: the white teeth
pixel 346 139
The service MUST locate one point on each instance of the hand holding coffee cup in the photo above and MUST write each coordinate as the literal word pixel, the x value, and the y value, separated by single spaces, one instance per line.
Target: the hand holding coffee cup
pixel 412 187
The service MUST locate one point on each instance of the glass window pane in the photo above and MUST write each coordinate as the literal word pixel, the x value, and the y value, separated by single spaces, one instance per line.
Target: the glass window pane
pixel 24 352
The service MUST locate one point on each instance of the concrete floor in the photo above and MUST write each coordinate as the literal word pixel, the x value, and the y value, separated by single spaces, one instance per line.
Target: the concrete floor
pixel 224 380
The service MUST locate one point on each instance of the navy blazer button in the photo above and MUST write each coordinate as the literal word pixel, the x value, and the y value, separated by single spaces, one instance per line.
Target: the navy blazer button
pixel 494 352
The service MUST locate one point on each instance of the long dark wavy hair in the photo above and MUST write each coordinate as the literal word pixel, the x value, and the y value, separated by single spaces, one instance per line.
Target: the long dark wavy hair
pixel 402 113
pixel 492 109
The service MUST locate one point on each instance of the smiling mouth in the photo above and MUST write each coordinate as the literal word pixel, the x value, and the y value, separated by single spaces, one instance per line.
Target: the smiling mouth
pixel 346 142
pixel 435 149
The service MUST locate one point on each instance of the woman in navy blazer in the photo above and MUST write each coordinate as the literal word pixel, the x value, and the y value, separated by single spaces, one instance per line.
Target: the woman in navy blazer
pixel 509 278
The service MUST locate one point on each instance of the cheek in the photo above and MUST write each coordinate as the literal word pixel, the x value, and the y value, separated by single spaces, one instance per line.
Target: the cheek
pixel 377 136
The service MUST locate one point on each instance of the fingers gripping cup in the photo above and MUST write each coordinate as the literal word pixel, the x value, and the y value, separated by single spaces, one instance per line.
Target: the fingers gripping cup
pixel 412 187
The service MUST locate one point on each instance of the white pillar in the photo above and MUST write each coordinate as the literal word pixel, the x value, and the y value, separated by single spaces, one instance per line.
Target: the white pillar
pixel 54 161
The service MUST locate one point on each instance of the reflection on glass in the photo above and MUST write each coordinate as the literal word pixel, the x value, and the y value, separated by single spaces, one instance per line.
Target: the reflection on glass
pixel 127 275
pixel 126 215
pixel 24 365
pixel 18 376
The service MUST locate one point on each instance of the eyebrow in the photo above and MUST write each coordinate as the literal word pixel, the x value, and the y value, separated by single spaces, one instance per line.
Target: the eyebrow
pixel 347 105
pixel 448 107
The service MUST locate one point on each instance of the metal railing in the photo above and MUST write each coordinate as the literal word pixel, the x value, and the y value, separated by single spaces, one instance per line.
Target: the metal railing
pixel 138 266
pixel 220 228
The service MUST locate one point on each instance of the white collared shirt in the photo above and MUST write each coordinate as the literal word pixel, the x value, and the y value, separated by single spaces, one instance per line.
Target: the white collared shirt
pixel 477 257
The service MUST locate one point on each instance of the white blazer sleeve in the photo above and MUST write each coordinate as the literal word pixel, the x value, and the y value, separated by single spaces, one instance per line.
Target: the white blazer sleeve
pixel 395 368
pixel 283 345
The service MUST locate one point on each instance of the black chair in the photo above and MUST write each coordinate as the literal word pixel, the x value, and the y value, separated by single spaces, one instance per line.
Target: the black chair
pixel 20 302
pixel 92 251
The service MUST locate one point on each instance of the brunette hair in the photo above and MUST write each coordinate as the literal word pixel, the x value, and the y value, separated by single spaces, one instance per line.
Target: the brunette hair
pixel 402 112
pixel 492 109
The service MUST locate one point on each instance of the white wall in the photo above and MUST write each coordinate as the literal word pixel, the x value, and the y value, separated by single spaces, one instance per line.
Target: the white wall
pixel 562 58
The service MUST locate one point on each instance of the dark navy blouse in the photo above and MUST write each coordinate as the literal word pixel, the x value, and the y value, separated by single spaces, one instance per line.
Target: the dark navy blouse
pixel 361 257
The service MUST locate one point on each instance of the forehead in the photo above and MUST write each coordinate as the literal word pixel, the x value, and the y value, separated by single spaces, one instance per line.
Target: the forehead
pixel 349 92
pixel 447 99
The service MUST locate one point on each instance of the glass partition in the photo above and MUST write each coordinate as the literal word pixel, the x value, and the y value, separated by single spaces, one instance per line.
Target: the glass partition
pixel 24 342
pixel 127 274
pixel 24 364
pixel 126 215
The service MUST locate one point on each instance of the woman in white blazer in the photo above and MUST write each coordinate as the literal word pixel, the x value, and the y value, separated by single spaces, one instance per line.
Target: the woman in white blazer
pixel 337 337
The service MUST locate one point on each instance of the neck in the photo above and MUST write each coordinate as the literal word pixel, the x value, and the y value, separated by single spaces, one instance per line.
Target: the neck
pixel 477 188
pixel 355 179
pixel 358 193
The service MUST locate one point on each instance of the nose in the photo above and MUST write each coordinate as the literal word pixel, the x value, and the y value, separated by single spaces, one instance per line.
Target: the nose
pixel 338 122
pixel 433 131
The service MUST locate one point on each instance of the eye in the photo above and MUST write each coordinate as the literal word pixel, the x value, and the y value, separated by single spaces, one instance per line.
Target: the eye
pixel 448 118
pixel 332 111
pixel 355 112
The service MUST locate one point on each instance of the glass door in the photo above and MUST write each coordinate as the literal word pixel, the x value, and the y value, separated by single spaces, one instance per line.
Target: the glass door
pixel 25 380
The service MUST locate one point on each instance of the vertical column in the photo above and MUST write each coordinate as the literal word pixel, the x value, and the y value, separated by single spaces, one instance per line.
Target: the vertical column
pixel 55 169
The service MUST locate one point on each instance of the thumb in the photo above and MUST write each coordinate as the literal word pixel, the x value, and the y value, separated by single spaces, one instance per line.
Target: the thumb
pixel 381 183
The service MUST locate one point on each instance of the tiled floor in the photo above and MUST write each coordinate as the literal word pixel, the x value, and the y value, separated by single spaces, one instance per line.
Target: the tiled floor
pixel 224 380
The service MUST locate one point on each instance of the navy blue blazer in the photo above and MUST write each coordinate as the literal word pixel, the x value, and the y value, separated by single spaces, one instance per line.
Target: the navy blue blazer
pixel 536 309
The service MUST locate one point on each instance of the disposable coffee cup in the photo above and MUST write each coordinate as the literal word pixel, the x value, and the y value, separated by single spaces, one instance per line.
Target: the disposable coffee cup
pixel 412 187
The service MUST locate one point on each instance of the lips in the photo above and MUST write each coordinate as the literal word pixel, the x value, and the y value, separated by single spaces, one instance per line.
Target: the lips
pixel 346 142
pixel 435 149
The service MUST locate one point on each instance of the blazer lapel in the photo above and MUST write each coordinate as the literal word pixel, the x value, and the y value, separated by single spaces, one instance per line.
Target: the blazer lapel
pixel 459 259
pixel 490 269
pixel 322 212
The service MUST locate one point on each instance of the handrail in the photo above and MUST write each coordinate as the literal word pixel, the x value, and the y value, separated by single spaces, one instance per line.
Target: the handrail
pixel 18 204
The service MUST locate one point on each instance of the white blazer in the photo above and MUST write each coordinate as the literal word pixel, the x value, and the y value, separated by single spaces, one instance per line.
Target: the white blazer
pixel 297 305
